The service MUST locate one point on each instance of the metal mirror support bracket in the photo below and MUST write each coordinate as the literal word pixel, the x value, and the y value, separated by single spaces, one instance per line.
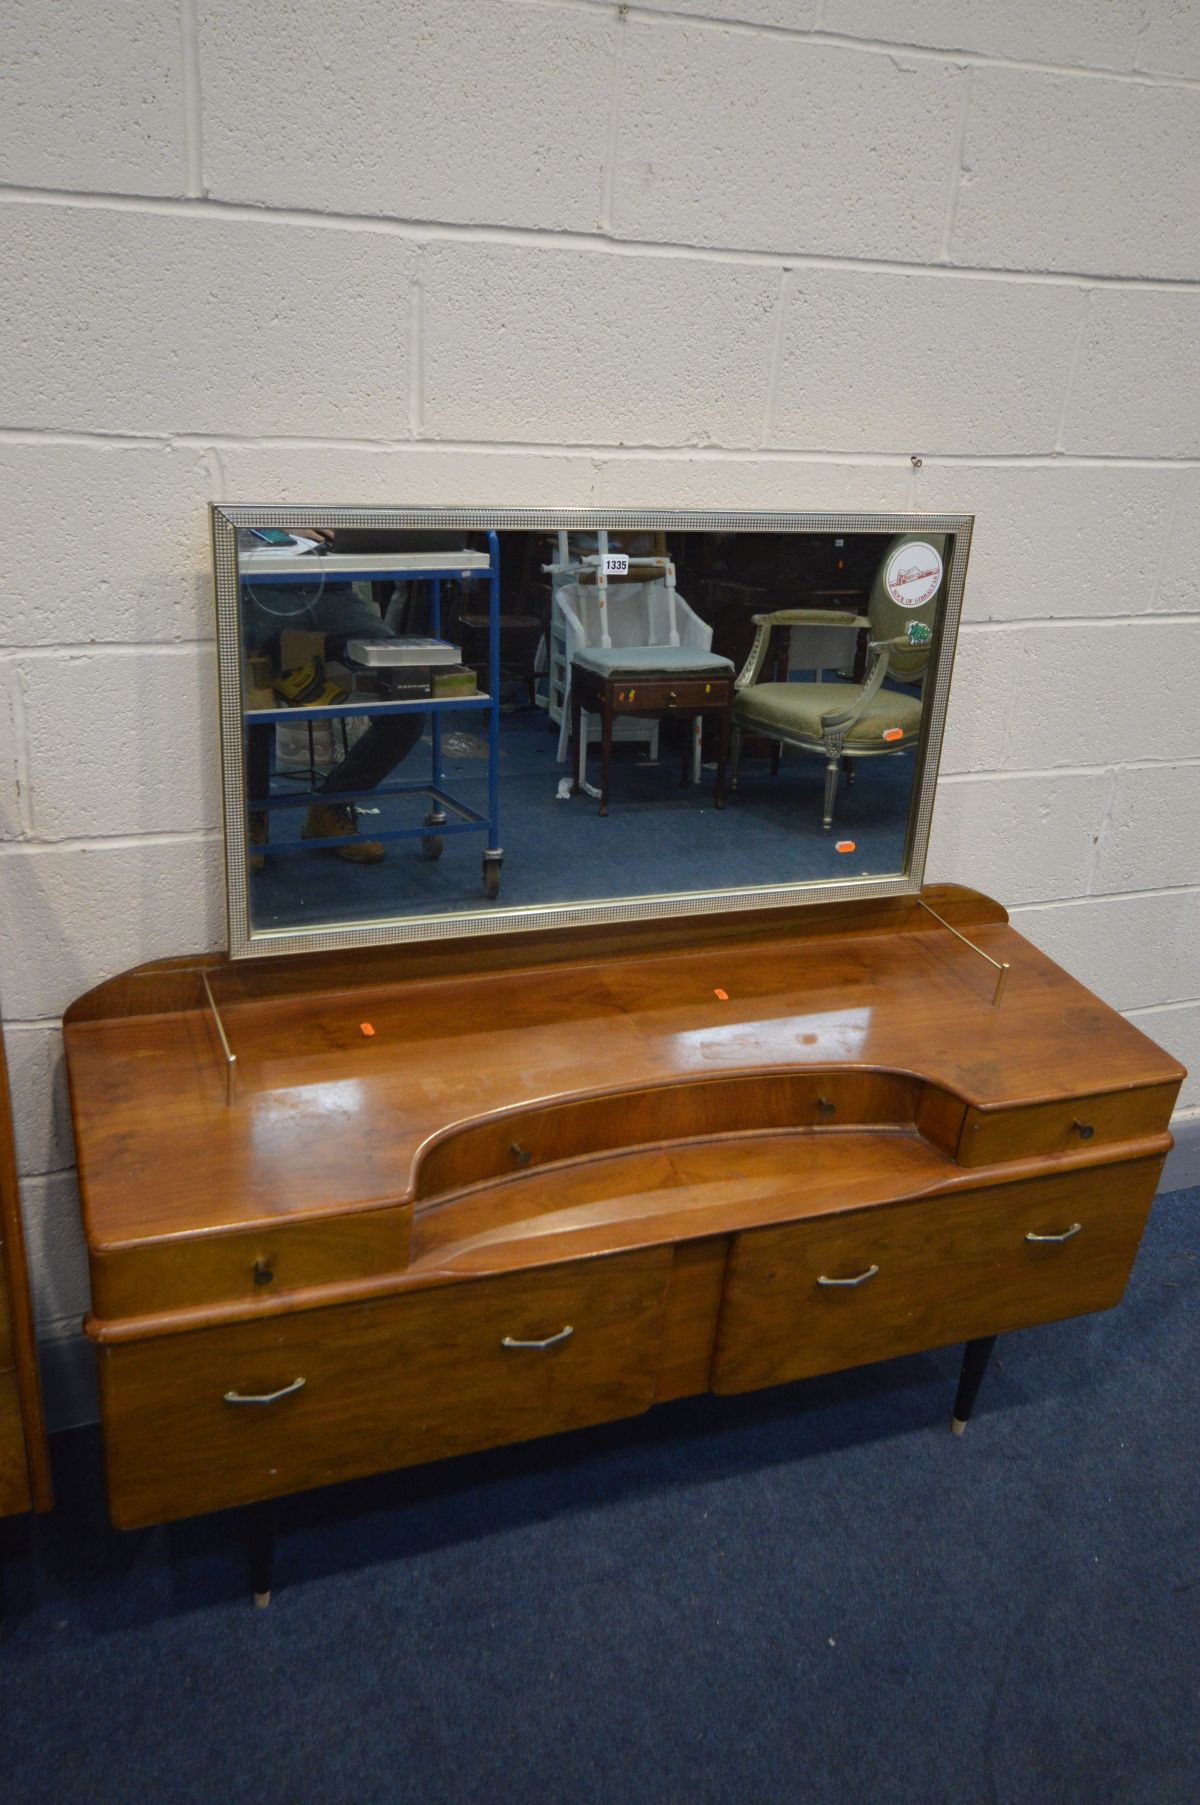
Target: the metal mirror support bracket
pixel 227 1050
pixel 1000 966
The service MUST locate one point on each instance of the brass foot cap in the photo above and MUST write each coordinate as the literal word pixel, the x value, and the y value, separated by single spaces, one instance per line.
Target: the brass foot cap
pixel 957 1424
pixel 261 1600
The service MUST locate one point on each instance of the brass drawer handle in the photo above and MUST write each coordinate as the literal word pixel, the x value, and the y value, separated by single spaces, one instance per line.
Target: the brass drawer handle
pixel 1084 1130
pixel 264 1397
pixel 522 1155
pixel 509 1341
pixel 1065 1236
pixel 859 1278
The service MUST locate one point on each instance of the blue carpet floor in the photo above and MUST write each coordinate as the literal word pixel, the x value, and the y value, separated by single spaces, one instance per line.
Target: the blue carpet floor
pixel 809 1594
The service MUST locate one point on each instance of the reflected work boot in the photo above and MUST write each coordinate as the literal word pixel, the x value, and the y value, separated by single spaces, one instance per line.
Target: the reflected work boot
pixel 324 821
pixel 258 837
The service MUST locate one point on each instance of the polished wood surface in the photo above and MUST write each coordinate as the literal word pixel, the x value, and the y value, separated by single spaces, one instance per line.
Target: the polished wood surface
pixel 24 1455
pixel 386 1384
pixel 660 1135
pixel 451 1050
pixel 936 1272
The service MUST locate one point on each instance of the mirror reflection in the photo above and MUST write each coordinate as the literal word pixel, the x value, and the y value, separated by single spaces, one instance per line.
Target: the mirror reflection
pixel 448 721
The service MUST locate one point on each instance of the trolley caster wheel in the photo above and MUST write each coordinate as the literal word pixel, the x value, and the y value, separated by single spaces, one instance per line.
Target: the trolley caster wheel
pixel 491 878
pixel 432 844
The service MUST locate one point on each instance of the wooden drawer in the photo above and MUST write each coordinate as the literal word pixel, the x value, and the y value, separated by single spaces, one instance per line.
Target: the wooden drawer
pixel 149 1277
pixel 940 1270
pixel 523 1140
pixel 387 1383
pixel 1063 1127
pixel 666 693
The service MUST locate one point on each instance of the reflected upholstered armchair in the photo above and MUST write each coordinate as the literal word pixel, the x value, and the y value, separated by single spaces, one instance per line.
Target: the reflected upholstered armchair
pixel 842 720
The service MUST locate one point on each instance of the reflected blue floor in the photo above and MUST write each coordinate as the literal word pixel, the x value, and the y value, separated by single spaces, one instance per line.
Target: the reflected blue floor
pixel 657 837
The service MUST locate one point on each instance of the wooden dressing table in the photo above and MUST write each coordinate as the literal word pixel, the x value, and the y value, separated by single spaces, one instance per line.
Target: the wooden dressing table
pixel 567 1176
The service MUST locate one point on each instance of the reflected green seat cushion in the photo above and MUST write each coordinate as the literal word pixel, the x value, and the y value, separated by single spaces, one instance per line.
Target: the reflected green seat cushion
pixel 795 710
pixel 677 660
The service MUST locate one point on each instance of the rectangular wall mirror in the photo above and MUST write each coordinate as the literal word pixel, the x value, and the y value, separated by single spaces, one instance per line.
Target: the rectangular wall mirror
pixel 456 721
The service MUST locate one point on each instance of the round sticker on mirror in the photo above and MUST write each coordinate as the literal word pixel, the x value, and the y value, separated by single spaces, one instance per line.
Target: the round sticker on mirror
pixel 914 574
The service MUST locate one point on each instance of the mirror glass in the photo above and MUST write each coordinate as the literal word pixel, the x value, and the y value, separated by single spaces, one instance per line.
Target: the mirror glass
pixel 445 721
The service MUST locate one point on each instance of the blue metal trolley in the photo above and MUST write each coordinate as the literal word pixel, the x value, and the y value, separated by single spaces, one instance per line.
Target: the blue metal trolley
pixel 446 814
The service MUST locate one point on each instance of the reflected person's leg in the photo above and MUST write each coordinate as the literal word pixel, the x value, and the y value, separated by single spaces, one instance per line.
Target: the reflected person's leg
pixel 260 739
pixel 389 739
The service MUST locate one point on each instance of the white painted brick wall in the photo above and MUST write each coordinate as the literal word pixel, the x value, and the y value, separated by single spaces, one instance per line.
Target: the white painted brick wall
pixel 1137 375
pixel 682 173
pixel 954 365
pixel 706 253
pixel 576 347
pixel 1037 143
pixel 1101 33
pixel 498 114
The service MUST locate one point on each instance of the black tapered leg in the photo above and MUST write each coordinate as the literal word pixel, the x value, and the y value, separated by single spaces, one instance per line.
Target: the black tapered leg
pixel 976 1355
pixel 260 1549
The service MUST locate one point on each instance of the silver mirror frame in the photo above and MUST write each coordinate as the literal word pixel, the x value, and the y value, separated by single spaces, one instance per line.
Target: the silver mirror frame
pixel 248 942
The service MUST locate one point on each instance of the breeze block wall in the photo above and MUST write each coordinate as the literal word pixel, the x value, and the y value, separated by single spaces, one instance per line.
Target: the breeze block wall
pixel 800 254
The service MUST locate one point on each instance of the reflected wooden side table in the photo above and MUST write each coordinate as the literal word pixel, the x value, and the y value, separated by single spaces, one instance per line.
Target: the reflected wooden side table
pixel 651 695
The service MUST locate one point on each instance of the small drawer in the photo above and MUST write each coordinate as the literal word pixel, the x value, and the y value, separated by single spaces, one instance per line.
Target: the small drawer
pixel 1039 1128
pixel 839 1291
pixel 660 692
pixel 198 1421
pixel 248 1265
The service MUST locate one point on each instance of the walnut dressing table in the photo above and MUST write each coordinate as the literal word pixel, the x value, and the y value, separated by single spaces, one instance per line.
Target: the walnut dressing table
pixel 352 1211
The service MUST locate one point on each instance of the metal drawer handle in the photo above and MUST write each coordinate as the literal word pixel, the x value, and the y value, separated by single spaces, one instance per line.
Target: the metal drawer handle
pixel 264 1397
pixel 1065 1236
pixel 859 1279
pixel 509 1341
pixel 1084 1130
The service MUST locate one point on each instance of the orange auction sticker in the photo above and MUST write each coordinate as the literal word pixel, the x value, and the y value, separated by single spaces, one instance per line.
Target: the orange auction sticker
pixel 844 846
pixel 894 733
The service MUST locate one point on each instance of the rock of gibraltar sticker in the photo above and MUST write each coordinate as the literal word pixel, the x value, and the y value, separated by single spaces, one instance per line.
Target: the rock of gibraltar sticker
pixel 914 574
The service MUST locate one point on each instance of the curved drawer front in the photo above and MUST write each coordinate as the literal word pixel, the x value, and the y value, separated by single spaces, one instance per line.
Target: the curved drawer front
pixel 839 1291
pixel 332 1393
pixel 524 1139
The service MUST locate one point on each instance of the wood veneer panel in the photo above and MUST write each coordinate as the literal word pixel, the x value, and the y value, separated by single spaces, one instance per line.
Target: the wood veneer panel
pixel 657 1115
pixel 690 1324
pixel 15 1494
pixel 949 1269
pixel 252 1267
pixel 1060 1127
pixel 170 985
pixel 148 1094
pixel 388 1383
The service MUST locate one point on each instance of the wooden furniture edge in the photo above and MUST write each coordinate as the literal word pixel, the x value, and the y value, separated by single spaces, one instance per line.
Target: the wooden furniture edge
pixel 177 1320
pixel 12 1246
